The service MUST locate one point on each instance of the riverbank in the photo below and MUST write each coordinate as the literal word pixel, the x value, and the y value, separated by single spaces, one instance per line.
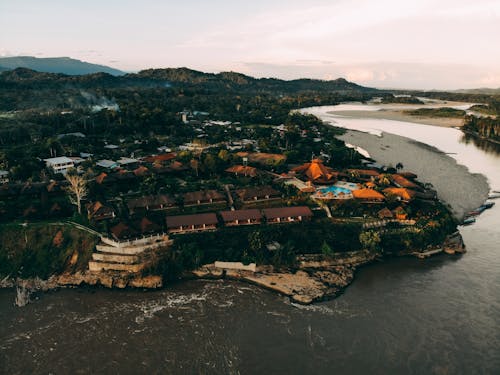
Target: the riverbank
pixel 314 279
pixel 461 190
pixel 401 115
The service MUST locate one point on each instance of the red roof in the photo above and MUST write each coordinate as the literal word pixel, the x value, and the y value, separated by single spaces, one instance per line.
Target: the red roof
pixel 160 158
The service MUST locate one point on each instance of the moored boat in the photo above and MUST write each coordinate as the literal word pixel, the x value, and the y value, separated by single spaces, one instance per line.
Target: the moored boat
pixel 469 221
pixel 488 204
pixel 494 195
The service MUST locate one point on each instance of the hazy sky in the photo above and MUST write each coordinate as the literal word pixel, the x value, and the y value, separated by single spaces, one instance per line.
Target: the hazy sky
pixel 384 43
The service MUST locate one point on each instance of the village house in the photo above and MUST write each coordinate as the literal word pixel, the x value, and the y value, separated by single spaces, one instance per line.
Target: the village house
pixel 150 203
pixel 241 217
pixel 107 164
pixel 161 159
pixel 191 223
pixel 257 193
pixel 287 214
pixel 97 211
pixel 60 164
pixel 203 197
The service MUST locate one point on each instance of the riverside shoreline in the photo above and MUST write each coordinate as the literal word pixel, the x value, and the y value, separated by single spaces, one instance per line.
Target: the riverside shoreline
pixel 462 190
pixel 400 115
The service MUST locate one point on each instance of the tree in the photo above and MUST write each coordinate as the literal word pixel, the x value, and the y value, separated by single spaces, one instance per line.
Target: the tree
pixel 370 240
pixel 77 189
pixel 326 250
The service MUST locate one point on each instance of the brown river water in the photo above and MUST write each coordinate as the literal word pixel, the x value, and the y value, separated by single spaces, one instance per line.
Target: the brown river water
pixel 400 316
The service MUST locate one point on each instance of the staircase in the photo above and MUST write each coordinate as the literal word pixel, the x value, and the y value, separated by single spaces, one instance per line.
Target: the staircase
pixel 129 257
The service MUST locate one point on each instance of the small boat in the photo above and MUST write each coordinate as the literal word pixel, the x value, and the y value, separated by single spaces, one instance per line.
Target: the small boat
pixel 469 221
pixel 487 205
pixel 494 195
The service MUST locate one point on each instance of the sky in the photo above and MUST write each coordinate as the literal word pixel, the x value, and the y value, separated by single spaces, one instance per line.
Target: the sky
pixel 424 44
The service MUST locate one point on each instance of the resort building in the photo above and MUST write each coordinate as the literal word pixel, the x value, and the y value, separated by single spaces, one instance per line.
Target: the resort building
pixel 191 223
pixel 150 203
pixel 403 194
pixel 402 182
pixel 241 217
pixel 385 213
pixel 316 172
pixel 368 196
pixel 287 214
pixel 60 165
pixel 203 197
pixel 257 193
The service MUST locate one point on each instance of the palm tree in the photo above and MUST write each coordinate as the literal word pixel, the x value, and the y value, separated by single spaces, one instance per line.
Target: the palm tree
pixel 399 166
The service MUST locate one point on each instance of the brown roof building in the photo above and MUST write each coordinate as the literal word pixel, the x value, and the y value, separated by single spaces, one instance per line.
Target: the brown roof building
pixel 191 223
pixel 385 213
pixel 241 217
pixel 287 214
pixel 256 193
pixel 203 197
pixel 150 202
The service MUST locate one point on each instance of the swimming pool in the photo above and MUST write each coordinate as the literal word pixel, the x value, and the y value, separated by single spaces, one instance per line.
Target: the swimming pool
pixel 335 190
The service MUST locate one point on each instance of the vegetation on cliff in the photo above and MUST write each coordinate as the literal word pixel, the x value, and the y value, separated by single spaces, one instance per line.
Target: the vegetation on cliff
pixel 43 250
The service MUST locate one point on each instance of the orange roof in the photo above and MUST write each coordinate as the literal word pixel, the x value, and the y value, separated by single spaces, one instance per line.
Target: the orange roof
pixel 400 192
pixel 242 170
pixel 315 170
pixel 403 182
pixel 368 194
pixel 370 184
pixel 100 179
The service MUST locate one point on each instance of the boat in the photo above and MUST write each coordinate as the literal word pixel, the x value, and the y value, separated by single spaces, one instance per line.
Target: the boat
pixel 469 221
pixel 494 195
pixel 488 204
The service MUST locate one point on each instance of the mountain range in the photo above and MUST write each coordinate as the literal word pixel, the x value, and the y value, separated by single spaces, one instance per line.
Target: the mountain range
pixel 64 65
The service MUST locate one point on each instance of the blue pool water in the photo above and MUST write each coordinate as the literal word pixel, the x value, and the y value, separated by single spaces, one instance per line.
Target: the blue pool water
pixel 335 190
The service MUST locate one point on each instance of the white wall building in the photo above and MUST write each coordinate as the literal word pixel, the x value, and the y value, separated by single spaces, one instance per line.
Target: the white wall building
pixel 60 164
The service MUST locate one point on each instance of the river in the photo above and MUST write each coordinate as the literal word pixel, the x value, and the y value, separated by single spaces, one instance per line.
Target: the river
pixel 400 316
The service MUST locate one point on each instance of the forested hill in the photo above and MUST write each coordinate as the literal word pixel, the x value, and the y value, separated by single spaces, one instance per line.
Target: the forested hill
pixel 177 78
pixel 65 65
